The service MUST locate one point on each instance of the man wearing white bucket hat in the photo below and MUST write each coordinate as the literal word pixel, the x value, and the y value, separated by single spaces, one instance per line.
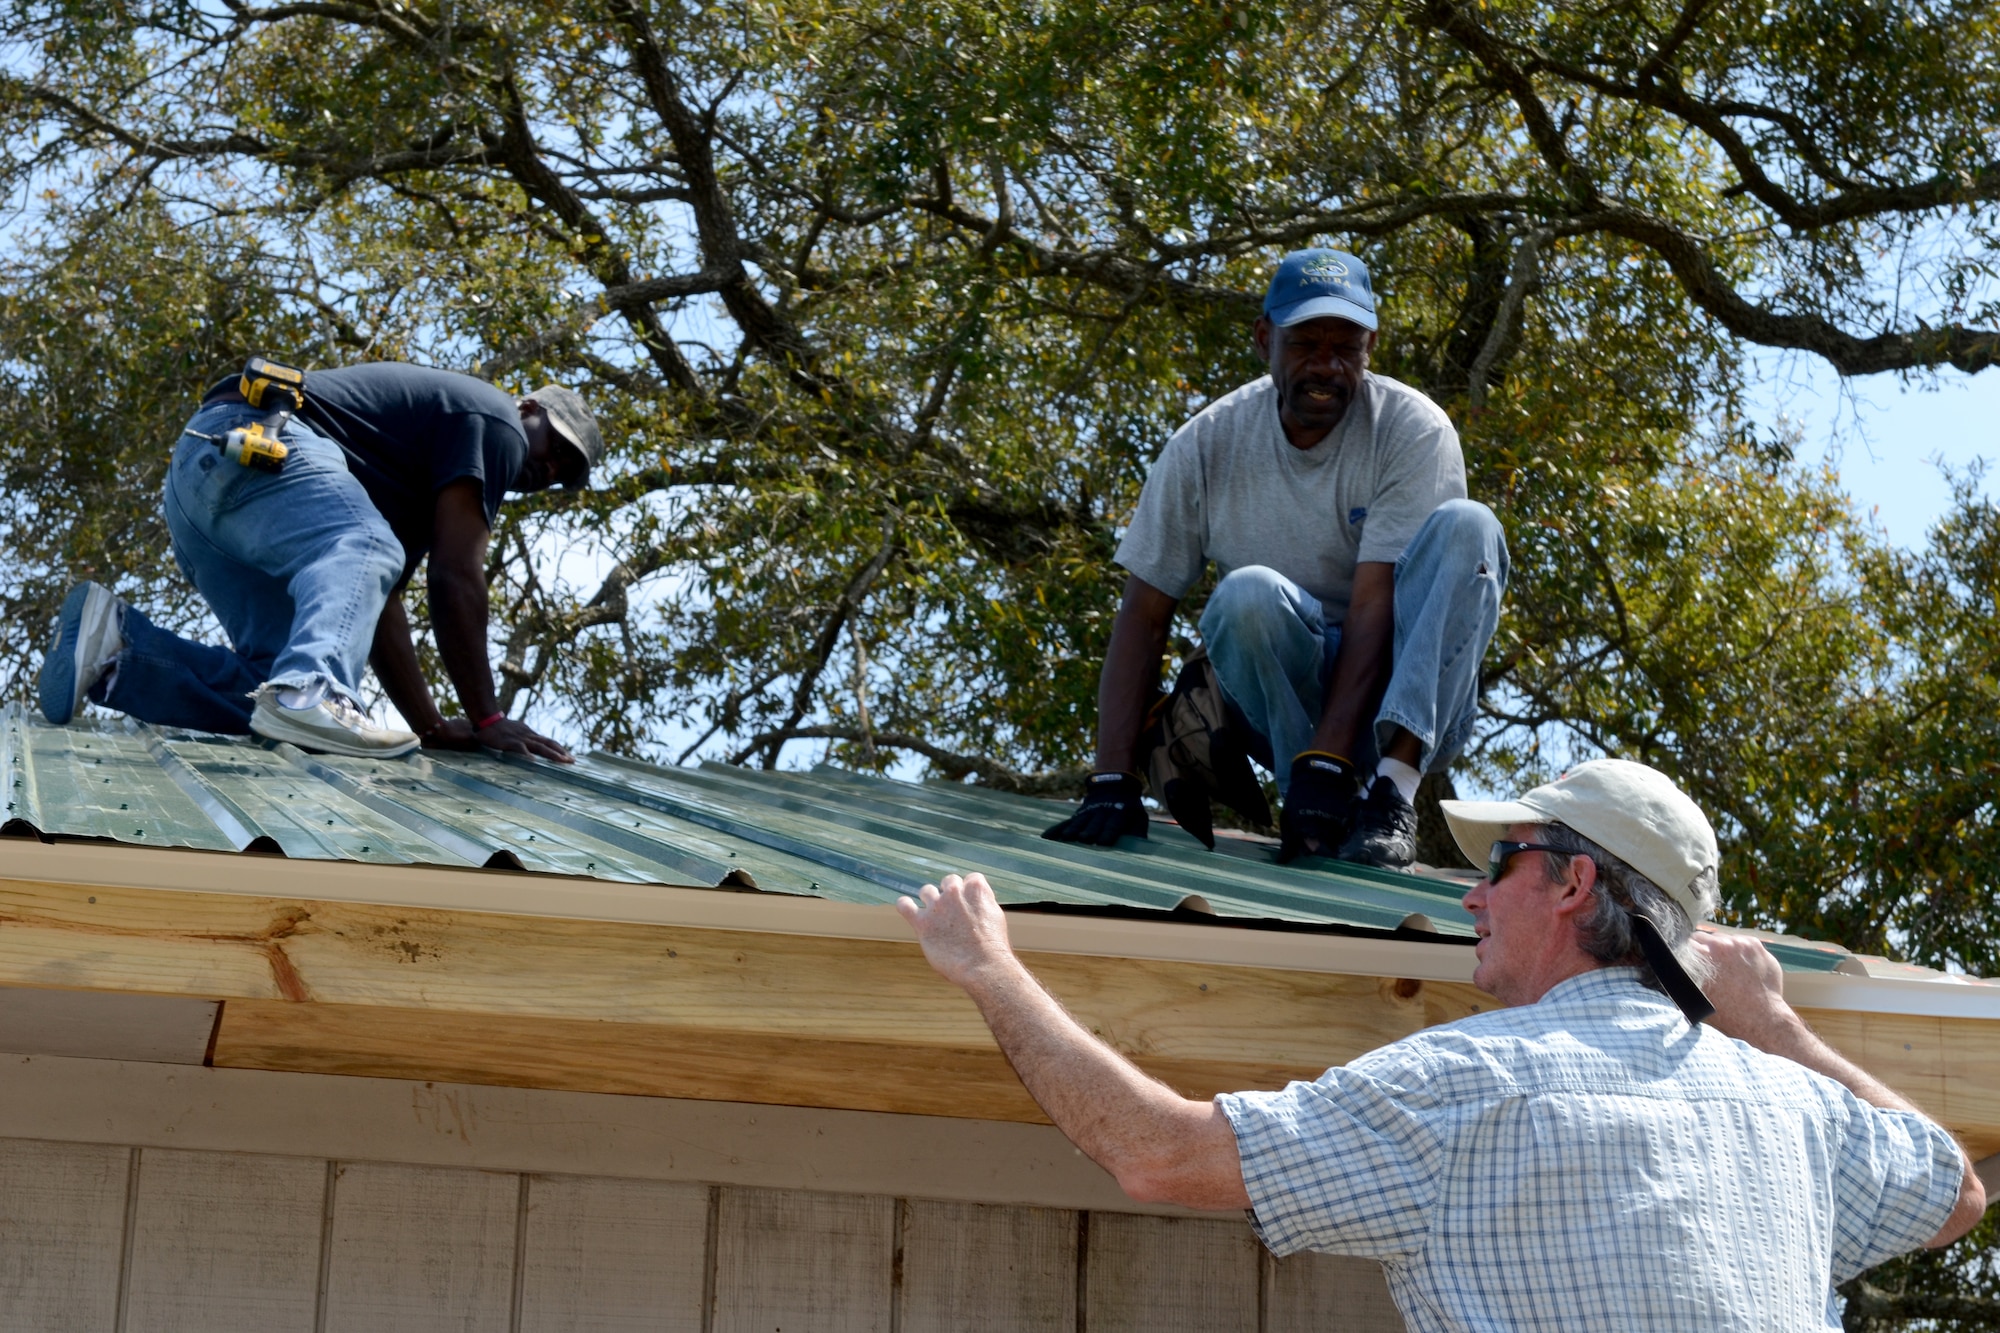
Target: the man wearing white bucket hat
pixel 1593 1156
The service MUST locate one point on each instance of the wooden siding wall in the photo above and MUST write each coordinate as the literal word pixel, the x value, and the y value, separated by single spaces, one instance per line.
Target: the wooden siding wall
pixel 97 1238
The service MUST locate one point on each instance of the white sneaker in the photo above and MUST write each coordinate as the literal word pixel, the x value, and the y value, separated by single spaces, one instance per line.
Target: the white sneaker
pixel 331 726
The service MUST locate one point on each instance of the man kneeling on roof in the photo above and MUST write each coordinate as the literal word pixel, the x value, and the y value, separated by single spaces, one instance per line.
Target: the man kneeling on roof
pixel 1593 1157
pixel 1359 591
pixel 305 567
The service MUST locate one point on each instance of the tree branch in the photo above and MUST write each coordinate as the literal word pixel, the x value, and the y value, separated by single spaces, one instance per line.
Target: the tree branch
pixel 823 646
pixel 1062 782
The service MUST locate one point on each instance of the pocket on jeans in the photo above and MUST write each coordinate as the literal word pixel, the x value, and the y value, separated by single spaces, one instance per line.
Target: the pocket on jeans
pixel 203 482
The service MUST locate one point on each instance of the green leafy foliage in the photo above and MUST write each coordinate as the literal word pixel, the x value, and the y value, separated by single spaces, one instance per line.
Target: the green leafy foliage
pixel 886 310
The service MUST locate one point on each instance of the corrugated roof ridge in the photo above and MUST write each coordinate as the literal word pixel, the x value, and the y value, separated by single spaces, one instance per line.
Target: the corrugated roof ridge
pixel 1036 812
pixel 921 843
pixel 230 819
pixel 709 873
pixel 702 813
pixel 468 849
pixel 1186 867
pixel 22 805
pixel 1258 854
pixel 1038 863
pixel 72 768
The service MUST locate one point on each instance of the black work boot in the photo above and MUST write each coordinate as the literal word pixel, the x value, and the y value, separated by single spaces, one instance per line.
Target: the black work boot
pixel 1385 828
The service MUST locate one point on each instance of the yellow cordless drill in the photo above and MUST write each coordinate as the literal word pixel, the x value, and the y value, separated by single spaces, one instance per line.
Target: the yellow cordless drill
pixel 280 390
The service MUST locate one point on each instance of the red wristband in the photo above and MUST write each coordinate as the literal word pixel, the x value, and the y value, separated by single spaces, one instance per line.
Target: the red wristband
pixel 485 722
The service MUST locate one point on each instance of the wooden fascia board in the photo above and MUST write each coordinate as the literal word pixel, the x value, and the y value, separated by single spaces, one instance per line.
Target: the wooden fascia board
pixel 330 968
pixel 325 986
pixel 514 893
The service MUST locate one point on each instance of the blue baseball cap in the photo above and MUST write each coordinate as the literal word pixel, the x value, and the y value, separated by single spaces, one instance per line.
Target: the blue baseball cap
pixel 1311 284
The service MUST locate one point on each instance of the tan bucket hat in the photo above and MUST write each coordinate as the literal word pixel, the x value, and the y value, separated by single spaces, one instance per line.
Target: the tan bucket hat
pixel 571 418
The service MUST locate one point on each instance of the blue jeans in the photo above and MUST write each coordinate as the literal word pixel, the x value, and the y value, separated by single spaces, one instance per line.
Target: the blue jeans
pixel 297 566
pixel 1274 652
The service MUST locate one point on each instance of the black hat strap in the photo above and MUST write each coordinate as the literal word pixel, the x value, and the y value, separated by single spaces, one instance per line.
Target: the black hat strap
pixel 1674 978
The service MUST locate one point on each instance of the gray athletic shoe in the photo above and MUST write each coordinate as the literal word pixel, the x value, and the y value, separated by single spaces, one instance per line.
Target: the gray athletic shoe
pixel 331 726
pixel 87 639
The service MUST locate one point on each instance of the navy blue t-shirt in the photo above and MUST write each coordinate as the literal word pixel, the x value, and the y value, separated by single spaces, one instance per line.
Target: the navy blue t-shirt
pixel 410 431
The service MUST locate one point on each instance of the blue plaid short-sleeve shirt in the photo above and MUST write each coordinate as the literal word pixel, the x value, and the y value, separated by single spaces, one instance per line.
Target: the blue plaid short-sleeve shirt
pixel 1591 1161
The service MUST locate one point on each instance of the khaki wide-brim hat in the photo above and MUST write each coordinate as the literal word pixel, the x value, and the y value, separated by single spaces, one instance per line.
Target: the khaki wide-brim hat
pixel 571 418
pixel 1629 809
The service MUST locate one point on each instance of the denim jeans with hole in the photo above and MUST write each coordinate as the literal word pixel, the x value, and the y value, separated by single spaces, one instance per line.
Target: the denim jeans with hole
pixel 297 566
pixel 1274 652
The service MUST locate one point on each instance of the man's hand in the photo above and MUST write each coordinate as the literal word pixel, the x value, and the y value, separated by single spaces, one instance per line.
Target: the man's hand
pixel 960 925
pixel 1748 992
pixel 1318 799
pixel 1111 808
pixel 453 733
pixel 519 737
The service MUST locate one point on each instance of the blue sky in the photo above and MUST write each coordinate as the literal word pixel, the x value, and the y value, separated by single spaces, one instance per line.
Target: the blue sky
pixel 1887 438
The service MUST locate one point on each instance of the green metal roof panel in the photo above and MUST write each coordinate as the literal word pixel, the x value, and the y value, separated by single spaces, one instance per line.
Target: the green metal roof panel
pixel 1162 871
pixel 827 833
pixel 100 784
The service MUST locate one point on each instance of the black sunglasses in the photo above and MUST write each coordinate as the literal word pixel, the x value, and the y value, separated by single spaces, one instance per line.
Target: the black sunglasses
pixel 1501 853
pixel 1673 977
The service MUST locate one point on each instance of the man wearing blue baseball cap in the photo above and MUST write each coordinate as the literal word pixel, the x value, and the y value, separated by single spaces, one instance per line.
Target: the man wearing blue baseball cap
pixel 1359 591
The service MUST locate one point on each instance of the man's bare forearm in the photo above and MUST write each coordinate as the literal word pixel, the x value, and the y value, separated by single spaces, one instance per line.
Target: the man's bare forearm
pixel 1123 1119
pixel 459 612
pixel 1798 1043
pixel 1161 1146
pixel 394 657
pixel 1131 669
pixel 1361 668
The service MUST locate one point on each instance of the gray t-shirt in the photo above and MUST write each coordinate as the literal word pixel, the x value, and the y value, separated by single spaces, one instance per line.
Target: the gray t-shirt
pixel 1229 487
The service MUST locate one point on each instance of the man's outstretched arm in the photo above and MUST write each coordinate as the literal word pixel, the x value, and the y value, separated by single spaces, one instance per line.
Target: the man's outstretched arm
pixel 394 658
pixel 1748 992
pixel 1160 1146
pixel 459 614
pixel 1131 669
pixel 1111 806
pixel 1361 669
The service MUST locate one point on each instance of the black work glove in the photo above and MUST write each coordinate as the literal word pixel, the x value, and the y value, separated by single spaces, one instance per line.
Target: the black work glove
pixel 1318 801
pixel 1111 808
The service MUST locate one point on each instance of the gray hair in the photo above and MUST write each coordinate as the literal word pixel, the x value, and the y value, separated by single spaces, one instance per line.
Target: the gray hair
pixel 1608 934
